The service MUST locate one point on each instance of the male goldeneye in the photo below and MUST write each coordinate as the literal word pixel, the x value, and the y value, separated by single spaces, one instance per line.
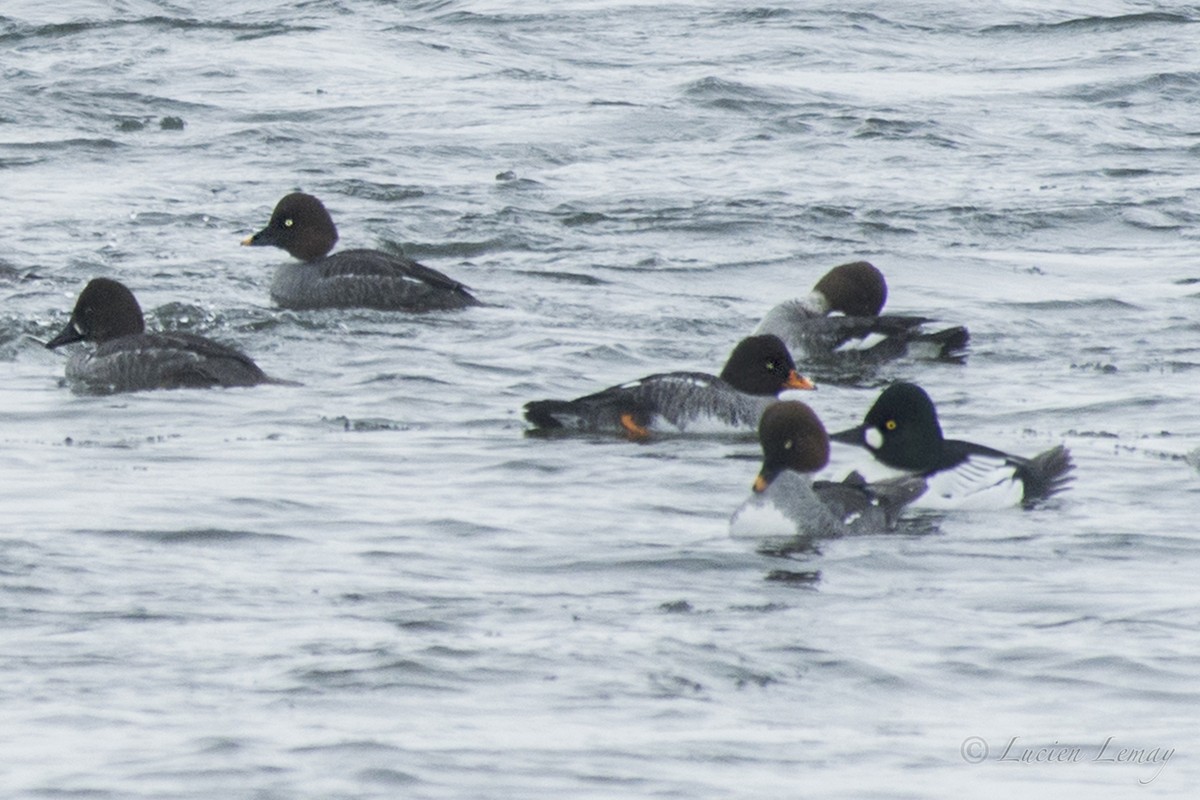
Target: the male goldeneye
pixel 839 322
pixel 903 434
pixel 758 369
pixel 126 359
pixel 357 278
pixel 786 503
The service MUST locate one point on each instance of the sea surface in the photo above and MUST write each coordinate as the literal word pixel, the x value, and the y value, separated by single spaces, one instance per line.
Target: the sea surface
pixel 377 585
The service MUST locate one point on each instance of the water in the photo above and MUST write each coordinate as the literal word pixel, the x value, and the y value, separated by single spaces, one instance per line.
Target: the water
pixel 376 586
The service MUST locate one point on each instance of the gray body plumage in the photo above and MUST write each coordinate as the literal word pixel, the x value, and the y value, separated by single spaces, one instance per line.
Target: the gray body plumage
pixel 788 508
pixel 364 278
pixel 794 506
pixel 685 401
pixel 808 331
pixel 143 361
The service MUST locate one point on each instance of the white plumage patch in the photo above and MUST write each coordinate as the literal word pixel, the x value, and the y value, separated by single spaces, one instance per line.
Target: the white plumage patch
pixel 864 343
pixel 873 438
pixel 761 520
pixel 979 483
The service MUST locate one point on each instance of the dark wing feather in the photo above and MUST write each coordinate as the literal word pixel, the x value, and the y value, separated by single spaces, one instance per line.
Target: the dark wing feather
pixel 869 507
pixel 168 361
pixel 374 279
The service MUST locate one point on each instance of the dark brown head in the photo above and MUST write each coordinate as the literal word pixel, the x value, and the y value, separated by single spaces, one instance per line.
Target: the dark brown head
pixel 762 365
pixel 300 225
pixel 105 310
pixel 856 289
pixel 792 437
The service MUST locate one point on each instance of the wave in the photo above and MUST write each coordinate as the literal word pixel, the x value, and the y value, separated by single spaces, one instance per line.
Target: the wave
pixel 202 536
pixel 1093 24
pixel 25 34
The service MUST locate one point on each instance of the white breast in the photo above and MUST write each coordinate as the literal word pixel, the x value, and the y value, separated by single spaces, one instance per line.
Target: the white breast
pixel 762 522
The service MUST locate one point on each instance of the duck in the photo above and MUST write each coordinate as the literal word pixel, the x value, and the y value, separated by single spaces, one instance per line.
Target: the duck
pixel 902 433
pixel 757 370
pixel 356 278
pixel 839 322
pixel 127 359
pixel 786 503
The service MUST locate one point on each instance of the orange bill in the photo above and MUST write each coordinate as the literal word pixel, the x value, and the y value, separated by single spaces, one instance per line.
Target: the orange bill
pixel 797 381
pixel 760 484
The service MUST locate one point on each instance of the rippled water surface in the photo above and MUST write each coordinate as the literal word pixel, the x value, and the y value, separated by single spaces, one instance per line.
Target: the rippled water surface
pixel 375 585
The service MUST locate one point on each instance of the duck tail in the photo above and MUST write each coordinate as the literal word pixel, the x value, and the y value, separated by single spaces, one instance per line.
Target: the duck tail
pixel 949 344
pixel 549 414
pixel 1047 474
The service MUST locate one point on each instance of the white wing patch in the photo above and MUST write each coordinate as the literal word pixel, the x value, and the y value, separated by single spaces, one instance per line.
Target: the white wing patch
pixel 979 483
pixel 860 344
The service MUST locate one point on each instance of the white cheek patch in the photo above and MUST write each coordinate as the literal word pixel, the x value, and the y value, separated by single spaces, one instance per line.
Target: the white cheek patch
pixel 873 438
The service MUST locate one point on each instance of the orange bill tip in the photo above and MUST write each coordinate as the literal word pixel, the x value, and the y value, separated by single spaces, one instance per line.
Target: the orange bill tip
pixel 797 381
pixel 249 240
pixel 760 484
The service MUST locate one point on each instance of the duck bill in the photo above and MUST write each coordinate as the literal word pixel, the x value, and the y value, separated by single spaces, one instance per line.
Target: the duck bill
pixel 764 480
pixel 260 239
pixel 68 335
pixel 848 436
pixel 797 381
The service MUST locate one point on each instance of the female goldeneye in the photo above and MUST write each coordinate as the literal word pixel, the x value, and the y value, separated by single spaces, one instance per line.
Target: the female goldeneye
pixel 839 322
pixel 126 359
pixel 786 503
pixel 903 434
pixel 758 369
pixel 357 278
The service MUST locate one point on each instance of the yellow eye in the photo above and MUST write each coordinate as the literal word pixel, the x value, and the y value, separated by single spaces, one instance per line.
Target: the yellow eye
pixel 787 445
pixel 287 223
pixel 890 425
pixel 771 366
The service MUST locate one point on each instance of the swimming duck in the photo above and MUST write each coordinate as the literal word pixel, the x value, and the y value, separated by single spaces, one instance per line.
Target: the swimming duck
pixel 902 432
pixel 839 321
pixel 127 359
pixel 786 502
pixel 358 278
pixel 758 369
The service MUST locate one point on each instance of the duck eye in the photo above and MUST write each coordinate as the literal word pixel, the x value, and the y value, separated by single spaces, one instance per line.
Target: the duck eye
pixel 289 222
pixel 890 425
pixel 787 445
pixel 772 366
